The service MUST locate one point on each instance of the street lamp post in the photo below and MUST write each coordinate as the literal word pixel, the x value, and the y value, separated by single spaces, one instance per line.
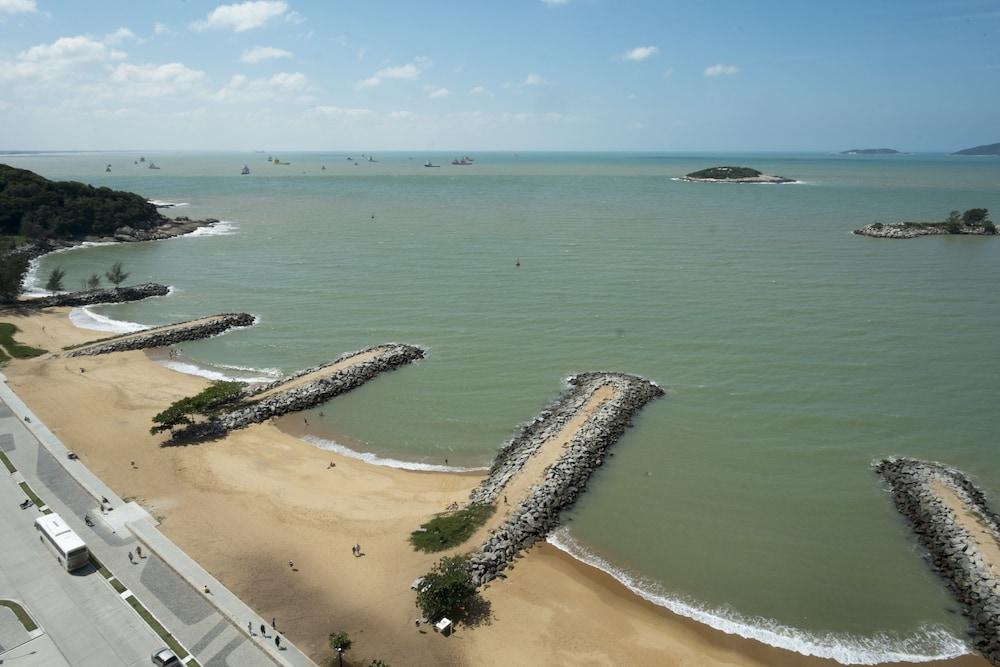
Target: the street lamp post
pixel 340 656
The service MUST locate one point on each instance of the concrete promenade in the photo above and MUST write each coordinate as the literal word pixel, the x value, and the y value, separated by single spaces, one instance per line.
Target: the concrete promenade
pixel 212 627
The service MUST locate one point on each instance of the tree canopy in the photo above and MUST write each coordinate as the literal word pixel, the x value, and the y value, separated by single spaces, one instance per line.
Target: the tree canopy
pixel 35 207
pixel 446 587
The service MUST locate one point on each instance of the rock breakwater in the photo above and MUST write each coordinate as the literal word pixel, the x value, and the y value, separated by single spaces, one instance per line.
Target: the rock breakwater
pixel 300 392
pixel 97 296
pixel 954 552
pixel 911 230
pixel 204 327
pixel 566 478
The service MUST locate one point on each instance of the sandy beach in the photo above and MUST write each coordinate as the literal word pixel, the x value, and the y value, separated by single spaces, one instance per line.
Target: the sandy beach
pixel 246 505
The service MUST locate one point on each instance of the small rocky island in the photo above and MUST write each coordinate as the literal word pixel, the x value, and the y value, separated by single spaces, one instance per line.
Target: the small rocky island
pixel 973 222
pixel 734 175
pixel 986 149
pixel 871 151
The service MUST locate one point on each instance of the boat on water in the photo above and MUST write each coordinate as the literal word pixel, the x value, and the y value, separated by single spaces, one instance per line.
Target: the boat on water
pixel 142 159
pixel 152 165
pixel 108 169
pixel 245 170
pixel 371 159
pixel 270 159
pixel 323 168
pixel 428 164
pixel 465 161
pixel 277 161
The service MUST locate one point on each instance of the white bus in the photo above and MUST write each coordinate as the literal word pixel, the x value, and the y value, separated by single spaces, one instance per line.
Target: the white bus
pixel 69 549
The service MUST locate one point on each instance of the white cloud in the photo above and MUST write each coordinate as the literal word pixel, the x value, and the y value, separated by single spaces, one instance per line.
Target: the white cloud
pixel 402 115
pixel 119 36
pixel 289 80
pixel 160 28
pixel 156 80
pixel 294 18
pixel 555 3
pixel 18 6
pixel 278 87
pixel 640 53
pixel 438 93
pixel 481 90
pixel 243 16
pixel 721 70
pixel 408 71
pixel 49 61
pixel 259 53
pixel 340 112
pixel 533 80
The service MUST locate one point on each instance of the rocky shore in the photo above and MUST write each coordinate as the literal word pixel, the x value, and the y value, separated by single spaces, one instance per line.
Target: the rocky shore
pixel 255 408
pixel 204 327
pixel 910 230
pixel 564 480
pixel 953 552
pixel 763 178
pixel 97 296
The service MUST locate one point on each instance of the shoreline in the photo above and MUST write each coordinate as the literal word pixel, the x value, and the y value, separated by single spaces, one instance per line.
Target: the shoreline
pixel 202 494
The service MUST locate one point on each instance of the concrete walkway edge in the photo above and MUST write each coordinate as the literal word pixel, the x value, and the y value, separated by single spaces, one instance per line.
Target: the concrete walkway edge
pixel 225 601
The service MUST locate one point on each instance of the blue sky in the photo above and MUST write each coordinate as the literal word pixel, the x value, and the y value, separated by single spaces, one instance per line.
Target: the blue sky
pixel 517 75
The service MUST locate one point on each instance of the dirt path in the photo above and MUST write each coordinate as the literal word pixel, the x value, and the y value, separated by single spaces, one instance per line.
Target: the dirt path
pixel 533 471
pixel 972 522
pixel 321 373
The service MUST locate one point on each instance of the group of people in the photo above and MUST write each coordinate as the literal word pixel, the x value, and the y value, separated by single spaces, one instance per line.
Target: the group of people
pixel 138 552
pixel 263 631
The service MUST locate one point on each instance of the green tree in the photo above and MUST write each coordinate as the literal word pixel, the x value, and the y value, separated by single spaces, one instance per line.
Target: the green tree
pixel 974 216
pixel 55 280
pixel 116 275
pixel 989 227
pixel 446 587
pixel 203 403
pixel 94 281
pixel 13 266
pixel 954 223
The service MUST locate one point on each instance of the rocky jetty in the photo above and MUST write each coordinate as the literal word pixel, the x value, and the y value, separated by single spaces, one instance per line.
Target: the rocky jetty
pixel 170 334
pixel 255 407
pixel 97 296
pixel 566 478
pixel 910 230
pixel 953 552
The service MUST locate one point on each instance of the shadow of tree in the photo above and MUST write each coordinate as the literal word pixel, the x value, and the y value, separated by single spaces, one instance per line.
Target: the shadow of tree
pixel 477 611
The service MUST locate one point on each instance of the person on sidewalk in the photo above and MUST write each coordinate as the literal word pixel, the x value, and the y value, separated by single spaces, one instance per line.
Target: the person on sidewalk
pixel 263 630
pixel 138 551
pixel 130 559
pixel 277 641
pixel 250 628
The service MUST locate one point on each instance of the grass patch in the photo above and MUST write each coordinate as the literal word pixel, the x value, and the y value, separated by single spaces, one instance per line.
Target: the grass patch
pixel 7 463
pixel 449 530
pixel 15 349
pixel 22 615
pixel 105 572
pixel 31 494
pixel 157 628
pixel 117 585
pixel 3 357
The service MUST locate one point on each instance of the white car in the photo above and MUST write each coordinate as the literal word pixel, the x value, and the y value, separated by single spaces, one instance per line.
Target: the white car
pixel 164 657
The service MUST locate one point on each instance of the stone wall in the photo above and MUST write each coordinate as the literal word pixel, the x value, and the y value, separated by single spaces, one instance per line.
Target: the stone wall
pixel 304 396
pixel 953 553
pixel 98 296
pixel 565 479
pixel 167 335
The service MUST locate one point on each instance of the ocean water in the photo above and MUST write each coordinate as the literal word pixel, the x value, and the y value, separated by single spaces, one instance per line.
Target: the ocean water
pixel 792 352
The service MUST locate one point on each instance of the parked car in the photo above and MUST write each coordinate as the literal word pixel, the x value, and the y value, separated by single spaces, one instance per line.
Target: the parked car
pixel 164 657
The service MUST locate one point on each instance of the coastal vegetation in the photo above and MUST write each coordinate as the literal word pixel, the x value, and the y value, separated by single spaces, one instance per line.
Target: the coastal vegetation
pixel 446 588
pixel 35 207
pixel 55 280
pixel 985 149
pixel 725 173
pixel 451 529
pixel 974 221
pixel 202 404
pixel 11 348
pixel 116 275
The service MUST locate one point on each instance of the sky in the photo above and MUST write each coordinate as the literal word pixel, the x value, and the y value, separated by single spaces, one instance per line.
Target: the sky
pixel 629 75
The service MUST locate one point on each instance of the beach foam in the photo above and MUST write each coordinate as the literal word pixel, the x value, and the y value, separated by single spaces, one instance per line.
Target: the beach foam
pixel 925 646
pixel 84 318
pixel 221 228
pixel 189 368
pixel 377 460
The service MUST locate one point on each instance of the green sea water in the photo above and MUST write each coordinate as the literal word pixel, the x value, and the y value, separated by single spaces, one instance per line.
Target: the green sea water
pixel 793 353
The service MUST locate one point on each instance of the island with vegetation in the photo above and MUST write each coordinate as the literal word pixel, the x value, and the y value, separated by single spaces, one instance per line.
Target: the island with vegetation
pixel 734 175
pixel 871 151
pixel 38 215
pixel 986 149
pixel 973 222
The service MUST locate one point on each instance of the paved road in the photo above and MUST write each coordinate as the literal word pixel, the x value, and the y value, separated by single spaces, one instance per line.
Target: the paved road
pixel 80 612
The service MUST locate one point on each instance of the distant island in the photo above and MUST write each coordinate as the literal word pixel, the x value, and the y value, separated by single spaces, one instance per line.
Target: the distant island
pixel 974 222
pixel 986 149
pixel 734 175
pixel 871 151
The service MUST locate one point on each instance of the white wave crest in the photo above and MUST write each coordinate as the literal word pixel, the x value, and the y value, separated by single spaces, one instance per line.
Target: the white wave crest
pixel 221 228
pixel 167 204
pixel 377 460
pixel 193 369
pixel 84 318
pixel 929 644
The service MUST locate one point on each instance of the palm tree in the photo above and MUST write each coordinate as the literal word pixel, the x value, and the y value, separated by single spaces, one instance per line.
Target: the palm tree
pixel 116 275
pixel 55 281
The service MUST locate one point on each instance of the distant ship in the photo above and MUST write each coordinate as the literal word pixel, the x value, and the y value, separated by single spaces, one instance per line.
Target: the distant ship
pixel 152 165
pixel 270 159
pixel 323 168
pixel 371 159
pixel 142 159
pixel 108 169
pixel 465 161
pixel 277 161
pixel 245 171
pixel 428 164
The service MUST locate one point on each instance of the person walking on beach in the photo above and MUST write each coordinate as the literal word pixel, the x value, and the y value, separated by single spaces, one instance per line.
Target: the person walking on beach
pixel 277 641
pixel 273 626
